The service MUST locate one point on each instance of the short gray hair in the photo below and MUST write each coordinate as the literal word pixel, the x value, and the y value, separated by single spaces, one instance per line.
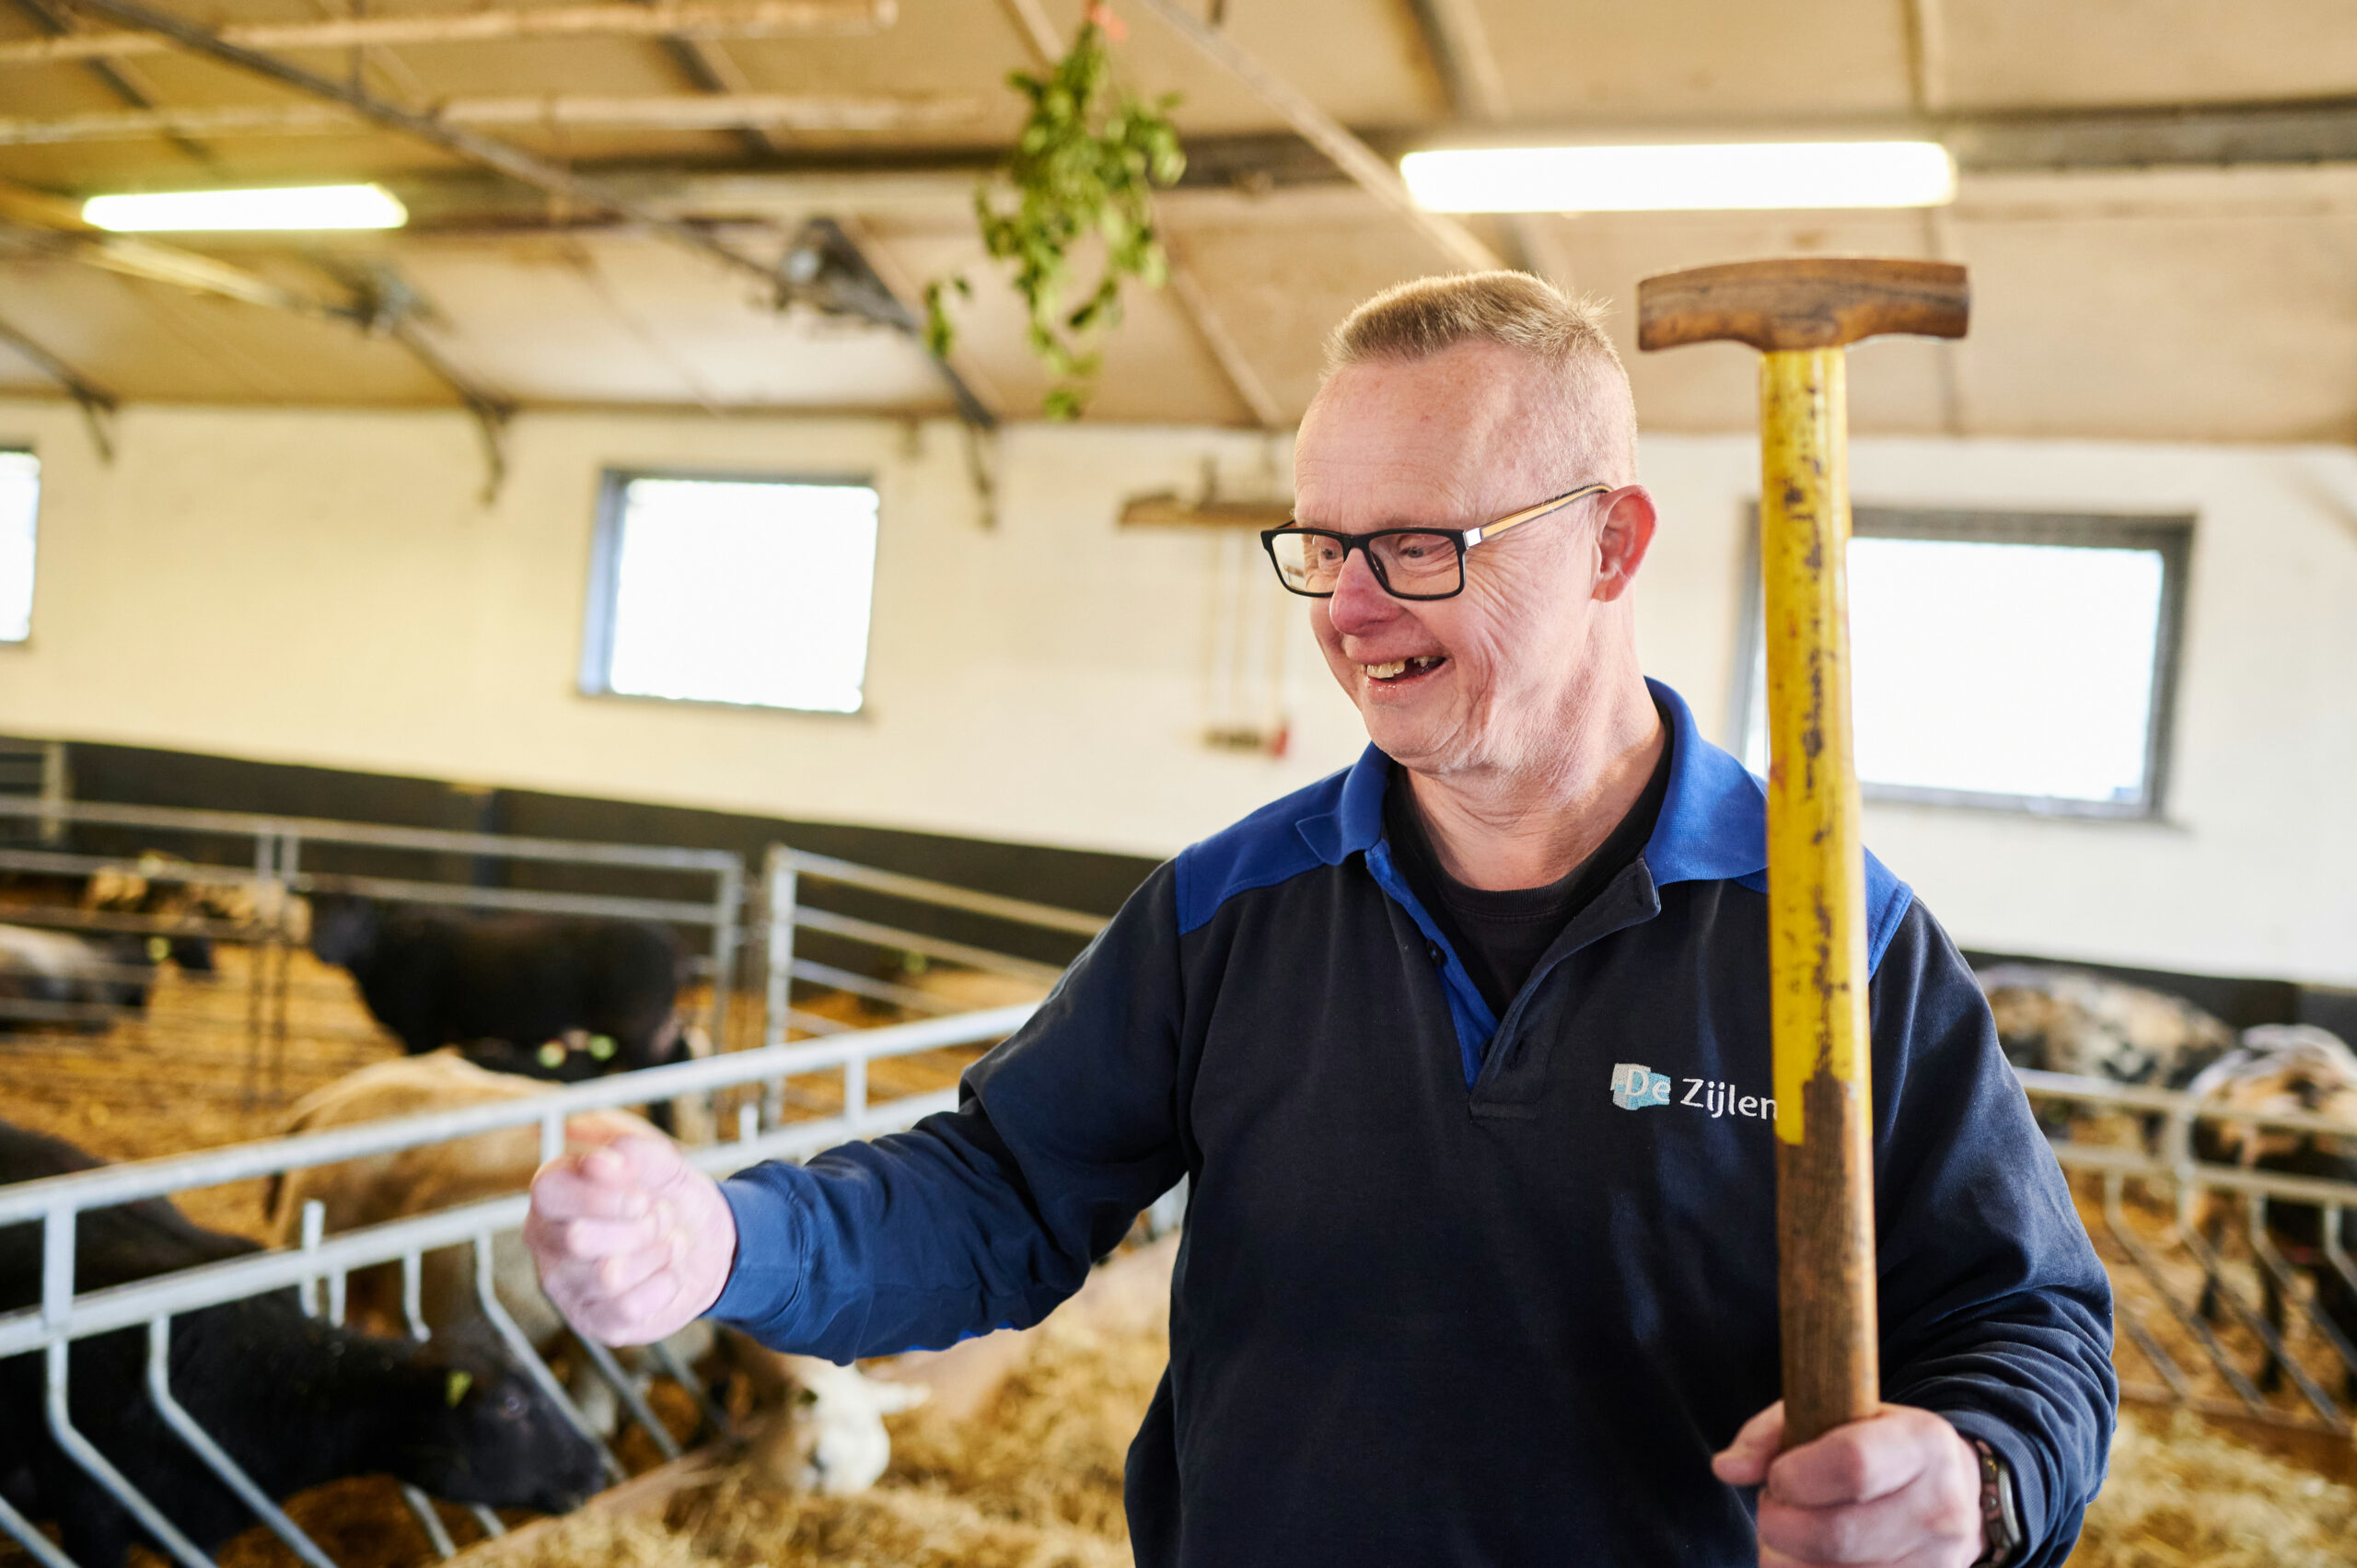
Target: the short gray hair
pixel 1562 334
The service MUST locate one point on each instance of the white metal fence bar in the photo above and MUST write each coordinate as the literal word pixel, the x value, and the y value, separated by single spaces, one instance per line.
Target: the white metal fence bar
pixel 160 1390
pixel 2165 1156
pixel 58 1198
pixel 238 1162
pixel 101 1469
pixel 882 935
pixel 247 824
pixel 1021 910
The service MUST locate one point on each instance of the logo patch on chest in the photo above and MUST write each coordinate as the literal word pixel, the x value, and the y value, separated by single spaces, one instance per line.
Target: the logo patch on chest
pixel 1635 1086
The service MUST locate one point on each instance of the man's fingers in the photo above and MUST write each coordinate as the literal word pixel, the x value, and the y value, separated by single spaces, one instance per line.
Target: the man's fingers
pixel 1884 1531
pixel 644 1301
pixel 591 1240
pixel 1857 1463
pixel 596 1186
pixel 1744 1461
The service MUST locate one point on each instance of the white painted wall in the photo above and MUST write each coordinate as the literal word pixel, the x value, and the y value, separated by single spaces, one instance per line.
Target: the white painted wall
pixel 327 586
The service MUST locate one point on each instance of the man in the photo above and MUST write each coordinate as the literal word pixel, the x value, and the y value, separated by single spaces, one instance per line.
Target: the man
pixel 1465 1052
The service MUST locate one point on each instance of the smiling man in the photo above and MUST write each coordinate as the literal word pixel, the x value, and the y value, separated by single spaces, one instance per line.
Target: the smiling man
pixel 1465 1052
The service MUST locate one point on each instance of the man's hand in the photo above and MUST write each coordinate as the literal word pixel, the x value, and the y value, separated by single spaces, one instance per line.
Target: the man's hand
pixel 633 1242
pixel 1899 1488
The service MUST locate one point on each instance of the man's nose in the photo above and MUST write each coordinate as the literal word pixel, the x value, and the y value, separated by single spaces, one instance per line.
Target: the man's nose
pixel 1359 605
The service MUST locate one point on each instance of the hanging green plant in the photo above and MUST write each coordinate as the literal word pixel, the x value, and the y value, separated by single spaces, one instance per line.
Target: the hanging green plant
pixel 1087 161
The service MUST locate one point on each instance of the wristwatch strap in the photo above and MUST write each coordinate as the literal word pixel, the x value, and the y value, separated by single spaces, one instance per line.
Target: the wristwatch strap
pixel 2001 1518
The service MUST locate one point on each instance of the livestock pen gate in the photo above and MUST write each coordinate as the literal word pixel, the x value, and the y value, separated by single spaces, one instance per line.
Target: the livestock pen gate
pixel 2163 1221
pixel 789 1098
pixel 62 1317
pixel 410 866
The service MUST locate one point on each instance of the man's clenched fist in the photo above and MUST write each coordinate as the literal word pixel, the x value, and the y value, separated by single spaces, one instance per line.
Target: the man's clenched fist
pixel 633 1242
pixel 1899 1488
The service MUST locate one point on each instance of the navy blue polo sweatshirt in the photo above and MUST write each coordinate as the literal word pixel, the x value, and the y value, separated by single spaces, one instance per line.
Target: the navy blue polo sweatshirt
pixel 1445 1297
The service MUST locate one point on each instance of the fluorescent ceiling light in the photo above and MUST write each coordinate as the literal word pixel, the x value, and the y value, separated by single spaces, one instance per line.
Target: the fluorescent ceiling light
pixel 299 206
pixel 1668 178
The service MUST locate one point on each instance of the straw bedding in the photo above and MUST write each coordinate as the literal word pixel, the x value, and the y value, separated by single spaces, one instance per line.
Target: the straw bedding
pixel 1033 1481
pixel 2181 1492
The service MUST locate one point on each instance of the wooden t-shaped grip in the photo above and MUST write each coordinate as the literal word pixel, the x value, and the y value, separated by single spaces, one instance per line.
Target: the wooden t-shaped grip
pixel 1803 303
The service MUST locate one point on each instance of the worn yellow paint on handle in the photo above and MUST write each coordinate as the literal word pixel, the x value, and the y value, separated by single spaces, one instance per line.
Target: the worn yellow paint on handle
pixel 1816 961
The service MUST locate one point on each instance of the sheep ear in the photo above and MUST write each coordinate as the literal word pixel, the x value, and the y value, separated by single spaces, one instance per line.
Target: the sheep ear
pixel 454 1386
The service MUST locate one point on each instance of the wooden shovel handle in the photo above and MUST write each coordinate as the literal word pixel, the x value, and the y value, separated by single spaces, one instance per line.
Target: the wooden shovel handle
pixel 1817 920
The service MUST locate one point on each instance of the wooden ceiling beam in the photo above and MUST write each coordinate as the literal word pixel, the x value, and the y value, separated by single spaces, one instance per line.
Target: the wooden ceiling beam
pixel 680 111
pixel 1358 162
pixel 526 168
pixel 381 305
pixel 699 19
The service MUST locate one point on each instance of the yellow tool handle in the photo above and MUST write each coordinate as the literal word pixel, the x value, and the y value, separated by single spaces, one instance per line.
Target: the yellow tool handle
pixel 1817 956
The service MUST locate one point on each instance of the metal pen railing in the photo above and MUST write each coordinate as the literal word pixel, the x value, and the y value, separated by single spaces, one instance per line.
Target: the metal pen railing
pixel 783 872
pixel 2196 1194
pixel 275 873
pixel 62 1318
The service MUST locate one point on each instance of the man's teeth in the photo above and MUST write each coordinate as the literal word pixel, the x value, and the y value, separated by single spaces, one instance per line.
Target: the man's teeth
pixel 1399 667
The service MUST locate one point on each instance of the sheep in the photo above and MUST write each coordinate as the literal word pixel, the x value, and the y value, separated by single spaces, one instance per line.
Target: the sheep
pixel 60 977
pixel 293 1401
pixel 156 885
pixel 2286 1067
pixel 829 1436
pixel 545 996
pixel 2060 1020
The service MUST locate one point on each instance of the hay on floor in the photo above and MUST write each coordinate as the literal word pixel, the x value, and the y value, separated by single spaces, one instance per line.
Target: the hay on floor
pixel 1031 1479
pixel 2180 1492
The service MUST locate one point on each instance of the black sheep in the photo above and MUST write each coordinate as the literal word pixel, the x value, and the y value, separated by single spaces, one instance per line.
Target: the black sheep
pixel 548 996
pixel 295 1402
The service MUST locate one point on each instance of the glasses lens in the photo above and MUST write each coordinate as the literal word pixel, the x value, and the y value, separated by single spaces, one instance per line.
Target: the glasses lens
pixel 1419 564
pixel 1308 563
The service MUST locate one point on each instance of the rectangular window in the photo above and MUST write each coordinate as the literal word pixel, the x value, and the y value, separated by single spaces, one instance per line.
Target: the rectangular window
pixel 752 591
pixel 19 508
pixel 2005 659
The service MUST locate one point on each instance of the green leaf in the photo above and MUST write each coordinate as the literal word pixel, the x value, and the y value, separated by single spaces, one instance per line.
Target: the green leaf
pixel 1085 162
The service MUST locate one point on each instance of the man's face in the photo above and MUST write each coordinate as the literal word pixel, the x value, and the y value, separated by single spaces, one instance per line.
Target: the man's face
pixel 1480 681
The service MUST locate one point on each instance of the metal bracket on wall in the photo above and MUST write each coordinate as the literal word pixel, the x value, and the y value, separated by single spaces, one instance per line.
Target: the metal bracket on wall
pixel 97 404
pixel 389 307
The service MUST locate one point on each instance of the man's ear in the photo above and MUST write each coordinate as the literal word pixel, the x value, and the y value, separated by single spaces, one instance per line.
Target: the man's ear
pixel 1623 533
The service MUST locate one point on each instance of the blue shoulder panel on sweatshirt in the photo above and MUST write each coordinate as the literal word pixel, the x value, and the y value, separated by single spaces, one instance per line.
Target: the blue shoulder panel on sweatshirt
pixel 1270 846
pixel 1714 827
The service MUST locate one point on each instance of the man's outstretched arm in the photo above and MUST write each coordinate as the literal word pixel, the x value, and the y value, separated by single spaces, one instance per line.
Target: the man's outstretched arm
pixel 980 1218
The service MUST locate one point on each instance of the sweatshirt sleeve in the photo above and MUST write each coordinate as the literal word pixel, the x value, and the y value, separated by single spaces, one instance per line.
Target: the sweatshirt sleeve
pixel 1995 1310
pixel 987 1216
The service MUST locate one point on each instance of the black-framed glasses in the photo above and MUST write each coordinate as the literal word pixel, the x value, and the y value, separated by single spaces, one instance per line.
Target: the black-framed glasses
pixel 1410 563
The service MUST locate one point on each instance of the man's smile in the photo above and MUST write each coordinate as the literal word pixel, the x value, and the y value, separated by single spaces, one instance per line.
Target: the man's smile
pixel 1404 671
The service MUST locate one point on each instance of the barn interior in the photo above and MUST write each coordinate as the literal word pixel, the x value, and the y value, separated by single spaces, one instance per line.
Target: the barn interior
pixel 610 492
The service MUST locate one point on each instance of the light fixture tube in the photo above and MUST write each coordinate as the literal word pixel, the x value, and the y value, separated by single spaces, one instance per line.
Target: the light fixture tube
pixel 1681 178
pixel 282 207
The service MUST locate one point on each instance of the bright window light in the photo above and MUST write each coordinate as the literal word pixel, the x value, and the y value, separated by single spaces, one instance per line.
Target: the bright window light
pixel 1668 178
pixel 746 591
pixel 295 207
pixel 19 504
pixel 1993 671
